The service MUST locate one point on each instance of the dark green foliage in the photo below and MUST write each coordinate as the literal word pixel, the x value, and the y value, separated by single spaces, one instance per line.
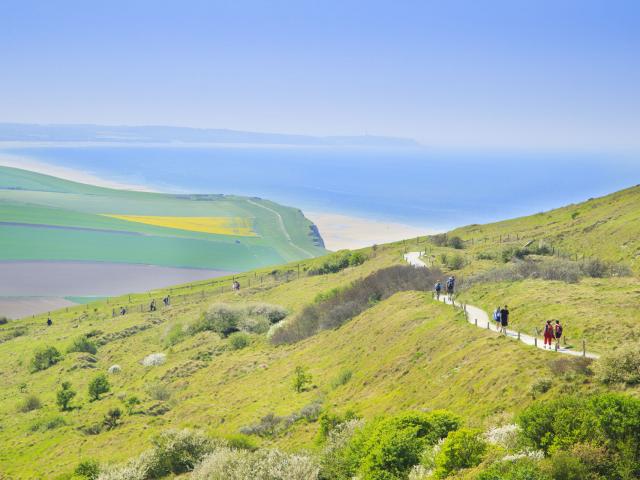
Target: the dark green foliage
pixel 444 240
pixel 30 403
pixel 338 262
pixel 220 318
pixel 388 447
pixel 521 469
pixel 83 344
pixel 177 451
pixel 87 469
pixel 98 386
pixel 112 418
pixel 462 449
pixel 131 403
pixel 64 396
pixel 44 358
pixel 610 421
pixel 301 379
pixel 344 304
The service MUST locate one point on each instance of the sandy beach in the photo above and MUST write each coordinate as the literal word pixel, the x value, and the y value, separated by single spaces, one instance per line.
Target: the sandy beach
pixel 344 231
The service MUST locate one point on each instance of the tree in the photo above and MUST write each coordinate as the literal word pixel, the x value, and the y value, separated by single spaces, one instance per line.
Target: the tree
pixel 64 396
pixel 131 403
pixel 98 386
pixel 301 379
pixel 45 357
pixel 462 448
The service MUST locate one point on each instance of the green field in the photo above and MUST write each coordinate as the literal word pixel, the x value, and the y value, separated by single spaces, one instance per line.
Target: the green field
pixel 46 218
pixel 405 353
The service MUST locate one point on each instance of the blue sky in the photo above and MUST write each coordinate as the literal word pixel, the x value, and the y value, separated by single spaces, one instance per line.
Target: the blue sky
pixel 508 74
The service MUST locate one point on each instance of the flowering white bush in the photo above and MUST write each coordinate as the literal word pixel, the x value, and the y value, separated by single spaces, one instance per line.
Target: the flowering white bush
pixel 231 464
pixel 532 454
pixel 506 436
pixel 418 472
pixel 154 359
pixel 136 469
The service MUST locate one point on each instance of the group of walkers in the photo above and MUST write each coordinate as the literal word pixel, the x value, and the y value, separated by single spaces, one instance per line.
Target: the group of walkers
pixel 450 285
pixel 552 332
pixel 166 301
pixel 501 317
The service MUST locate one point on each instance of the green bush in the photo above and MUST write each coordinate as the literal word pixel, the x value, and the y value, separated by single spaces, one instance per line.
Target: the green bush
pixel 388 447
pixel 455 262
pixel 520 469
pixel 462 449
pixel 47 423
pixel 87 469
pixel 44 358
pixel 131 403
pixel 178 451
pixel 112 418
pixel 220 318
pixel 83 344
pixel 30 403
pixel 301 379
pixel 620 366
pixel 64 396
pixel 329 421
pixel 98 386
pixel 339 261
pixel 342 379
pixel 239 340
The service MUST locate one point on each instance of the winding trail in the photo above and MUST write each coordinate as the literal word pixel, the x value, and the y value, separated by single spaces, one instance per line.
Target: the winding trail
pixel 282 227
pixel 479 318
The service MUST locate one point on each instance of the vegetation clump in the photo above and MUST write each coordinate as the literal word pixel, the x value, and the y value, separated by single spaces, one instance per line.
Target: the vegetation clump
pixel 444 240
pixel 335 309
pixel 301 379
pixel 339 261
pixel 621 366
pixel 98 386
pixel 226 319
pixel 44 358
pixel 83 344
pixel 29 404
pixel 64 396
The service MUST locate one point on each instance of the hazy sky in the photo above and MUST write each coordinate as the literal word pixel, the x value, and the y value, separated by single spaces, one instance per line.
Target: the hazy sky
pixel 513 73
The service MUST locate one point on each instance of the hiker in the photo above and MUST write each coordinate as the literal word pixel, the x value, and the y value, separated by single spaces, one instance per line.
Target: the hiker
pixel 504 319
pixel 548 334
pixel 451 284
pixel 152 305
pixel 236 285
pixel 557 333
pixel 123 311
pixel 438 288
pixel 496 318
pixel 49 322
pixel 165 300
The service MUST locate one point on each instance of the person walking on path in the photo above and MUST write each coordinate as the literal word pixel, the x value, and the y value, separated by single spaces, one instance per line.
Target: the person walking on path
pixel 496 318
pixel 152 305
pixel 557 333
pixel 548 334
pixel 438 288
pixel 504 319
pixel 49 322
pixel 451 285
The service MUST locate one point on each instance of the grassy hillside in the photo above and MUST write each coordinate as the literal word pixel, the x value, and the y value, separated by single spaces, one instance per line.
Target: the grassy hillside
pixel 403 353
pixel 47 218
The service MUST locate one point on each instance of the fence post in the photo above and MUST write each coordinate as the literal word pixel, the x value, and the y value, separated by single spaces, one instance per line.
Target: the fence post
pixel 488 326
pixel 584 347
pixel 476 322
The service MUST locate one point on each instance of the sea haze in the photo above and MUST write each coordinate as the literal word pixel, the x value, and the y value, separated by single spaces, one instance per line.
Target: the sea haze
pixel 431 189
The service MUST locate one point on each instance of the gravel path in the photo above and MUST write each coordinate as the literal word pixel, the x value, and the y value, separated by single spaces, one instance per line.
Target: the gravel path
pixel 479 318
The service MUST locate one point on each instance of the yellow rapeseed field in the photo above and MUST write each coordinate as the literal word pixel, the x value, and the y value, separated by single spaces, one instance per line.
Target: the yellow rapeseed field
pixel 237 226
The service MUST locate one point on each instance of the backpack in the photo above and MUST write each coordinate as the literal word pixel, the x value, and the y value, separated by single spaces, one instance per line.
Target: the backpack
pixel 558 330
pixel 496 314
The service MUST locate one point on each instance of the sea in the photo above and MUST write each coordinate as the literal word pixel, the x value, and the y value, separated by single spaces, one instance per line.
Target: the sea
pixel 434 189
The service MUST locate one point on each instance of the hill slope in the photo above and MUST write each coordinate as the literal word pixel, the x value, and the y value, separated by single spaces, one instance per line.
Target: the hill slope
pixel 46 218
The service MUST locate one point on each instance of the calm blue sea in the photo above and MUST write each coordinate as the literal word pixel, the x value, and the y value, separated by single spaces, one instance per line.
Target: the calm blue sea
pixel 433 189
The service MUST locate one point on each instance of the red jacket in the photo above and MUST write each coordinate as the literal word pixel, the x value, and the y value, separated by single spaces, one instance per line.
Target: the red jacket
pixel 548 331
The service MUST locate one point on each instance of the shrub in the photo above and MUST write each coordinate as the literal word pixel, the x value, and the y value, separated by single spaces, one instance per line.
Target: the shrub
pixel 339 261
pixel 4 320
pixel 87 469
pixel 30 403
pixel 301 379
pixel 229 464
pixel 273 313
pixel 462 449
pixel 64 396
pixel 239 340
pixel 620 366
pixel 154 359
pixel 564 466
pixel 542 385
pixel 268 426
pixel 48 423
pixel 159 391
pixel 178 451
pixel 329 421
pixel 83 344
pixel 520 469
pixel 455 262
pixel 241 441
pixel 220 318
pixel 175 335
pixel 135 469
pixel 342 379
pixel 394 444
pixel 334 310
pixel 131 403
pixel 112 418
pixel 44 358
pixel 98 386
